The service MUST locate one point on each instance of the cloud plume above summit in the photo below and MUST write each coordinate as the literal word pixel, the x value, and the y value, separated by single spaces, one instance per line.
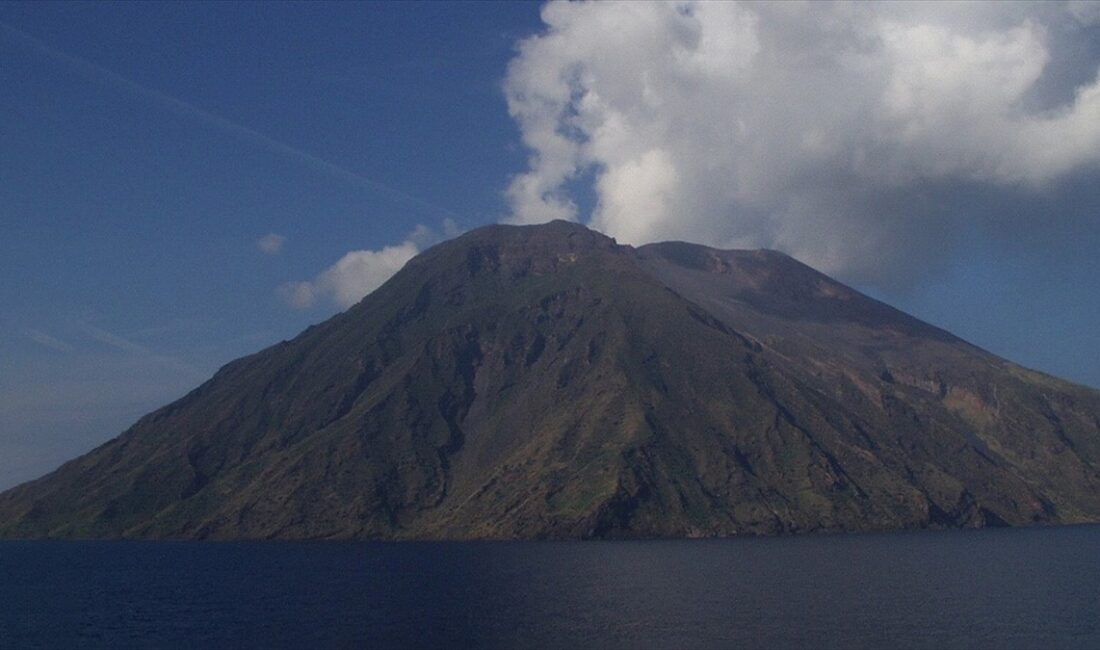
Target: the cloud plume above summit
pixel 836 132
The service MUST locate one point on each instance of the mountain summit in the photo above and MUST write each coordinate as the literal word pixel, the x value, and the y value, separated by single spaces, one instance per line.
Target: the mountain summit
pixel 546 382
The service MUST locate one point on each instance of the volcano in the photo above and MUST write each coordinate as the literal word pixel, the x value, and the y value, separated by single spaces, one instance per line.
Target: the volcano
pixel 546 382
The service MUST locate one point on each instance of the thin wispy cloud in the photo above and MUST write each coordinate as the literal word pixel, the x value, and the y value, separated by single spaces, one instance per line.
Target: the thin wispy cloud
pixel 47 341
pixel 115 341
pixel 98 73
pixel 125 345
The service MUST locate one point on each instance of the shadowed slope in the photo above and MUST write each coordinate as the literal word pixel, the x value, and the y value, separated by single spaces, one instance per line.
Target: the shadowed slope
pixel 545 382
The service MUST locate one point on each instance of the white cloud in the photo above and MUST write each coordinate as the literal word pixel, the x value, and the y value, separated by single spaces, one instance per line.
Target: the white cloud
pixel 359 272
pixel 355 275
pixel 271 243
pixel 827 130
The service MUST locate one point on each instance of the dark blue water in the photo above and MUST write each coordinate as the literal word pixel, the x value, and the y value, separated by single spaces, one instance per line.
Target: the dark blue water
pixel 986 589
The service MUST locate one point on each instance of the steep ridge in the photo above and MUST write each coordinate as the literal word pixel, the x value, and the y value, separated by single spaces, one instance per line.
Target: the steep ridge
pixel 543 381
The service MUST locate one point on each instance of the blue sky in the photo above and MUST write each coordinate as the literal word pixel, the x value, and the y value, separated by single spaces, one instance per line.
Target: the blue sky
pixel 147 149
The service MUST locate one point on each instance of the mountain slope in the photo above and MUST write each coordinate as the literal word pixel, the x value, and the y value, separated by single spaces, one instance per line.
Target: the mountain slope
pixel 545 382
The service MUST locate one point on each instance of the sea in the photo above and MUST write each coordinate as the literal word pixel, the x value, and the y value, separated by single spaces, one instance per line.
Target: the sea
pixel 1003 588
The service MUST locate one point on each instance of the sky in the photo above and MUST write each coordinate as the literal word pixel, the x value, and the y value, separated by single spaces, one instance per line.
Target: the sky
pixel 183 184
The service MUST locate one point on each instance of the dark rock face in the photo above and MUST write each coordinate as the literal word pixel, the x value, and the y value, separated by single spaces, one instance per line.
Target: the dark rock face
pixel 544 382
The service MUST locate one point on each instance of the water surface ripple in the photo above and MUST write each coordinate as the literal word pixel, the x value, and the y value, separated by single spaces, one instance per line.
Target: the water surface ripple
pixel 961 589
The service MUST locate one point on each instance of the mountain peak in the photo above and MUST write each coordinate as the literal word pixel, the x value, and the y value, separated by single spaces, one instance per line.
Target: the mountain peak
pixel 559 229
pixel 545 381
